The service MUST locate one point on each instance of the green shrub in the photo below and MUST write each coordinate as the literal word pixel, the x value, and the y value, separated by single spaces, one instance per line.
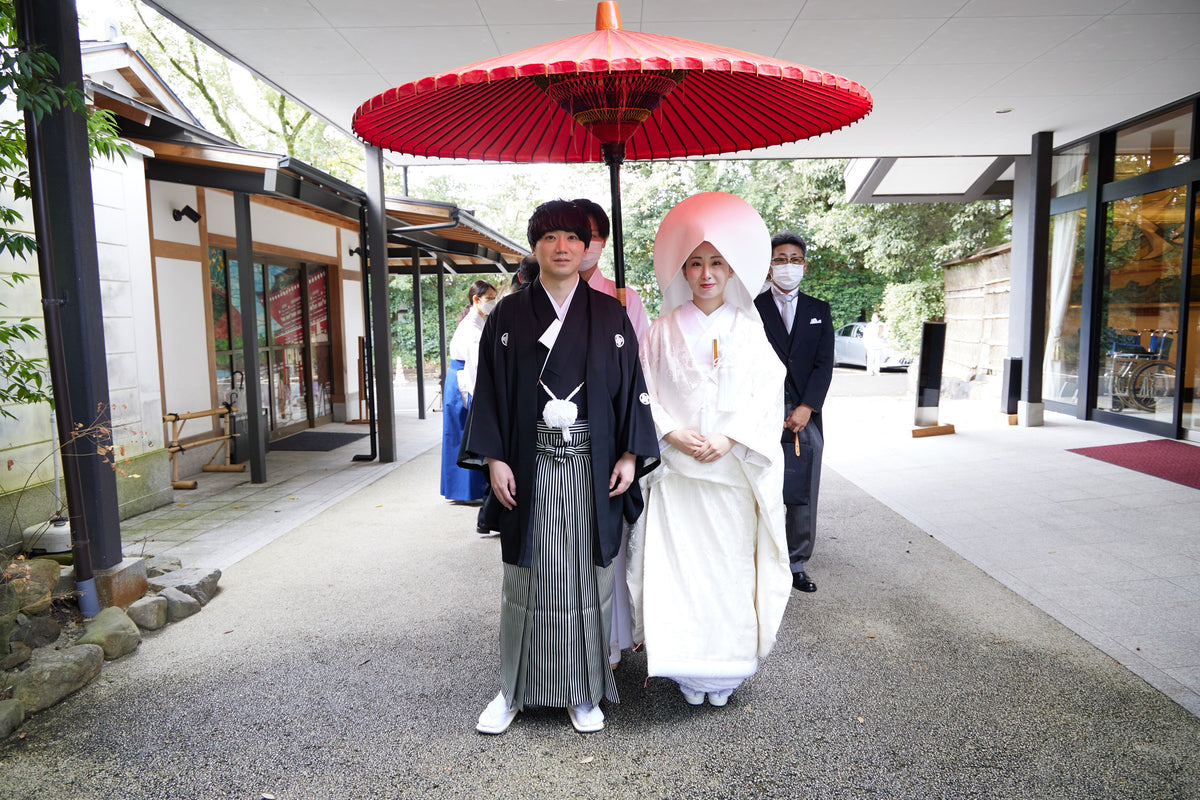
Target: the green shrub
pixel 906 306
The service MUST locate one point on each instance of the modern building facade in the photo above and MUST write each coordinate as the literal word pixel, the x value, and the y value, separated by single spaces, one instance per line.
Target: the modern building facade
pixel 1122 310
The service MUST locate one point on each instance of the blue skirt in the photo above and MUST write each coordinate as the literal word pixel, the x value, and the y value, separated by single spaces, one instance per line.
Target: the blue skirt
pixel 457 483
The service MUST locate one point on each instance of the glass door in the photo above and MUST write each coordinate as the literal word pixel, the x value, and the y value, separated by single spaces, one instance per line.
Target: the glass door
pixel 320 354
pixel 1139 306
pixel 294 342
pixel 285 308
pixel 1064 318
pixel 1191 361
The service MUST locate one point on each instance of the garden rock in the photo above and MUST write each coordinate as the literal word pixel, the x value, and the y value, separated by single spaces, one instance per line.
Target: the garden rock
pixel 36 631
pixel 179 605
pixel 11 716
pixel 149 613
pixel 9 604
pixel 199 583
pixel 51 675
pixel 34 581
pixel 18 654
pixel 114 632
pixel 160 565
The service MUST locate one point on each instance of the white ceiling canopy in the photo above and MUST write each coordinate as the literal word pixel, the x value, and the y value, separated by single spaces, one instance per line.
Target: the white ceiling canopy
pixel 949 77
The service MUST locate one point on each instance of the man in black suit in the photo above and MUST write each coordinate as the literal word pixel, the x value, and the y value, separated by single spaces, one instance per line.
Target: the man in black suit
pixel 800 328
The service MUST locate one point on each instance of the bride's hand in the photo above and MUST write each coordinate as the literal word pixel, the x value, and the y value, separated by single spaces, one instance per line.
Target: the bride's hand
pixel 714 447
pixel 686 441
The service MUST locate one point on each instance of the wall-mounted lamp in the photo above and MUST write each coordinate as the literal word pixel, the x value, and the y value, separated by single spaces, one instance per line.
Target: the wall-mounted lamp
pixel 186 211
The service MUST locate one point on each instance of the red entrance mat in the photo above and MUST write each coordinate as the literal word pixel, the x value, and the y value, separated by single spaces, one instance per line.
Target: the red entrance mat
pixel 1162 458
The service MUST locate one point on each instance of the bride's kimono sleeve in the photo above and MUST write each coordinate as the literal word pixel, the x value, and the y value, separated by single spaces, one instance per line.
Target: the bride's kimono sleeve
pixel 653 358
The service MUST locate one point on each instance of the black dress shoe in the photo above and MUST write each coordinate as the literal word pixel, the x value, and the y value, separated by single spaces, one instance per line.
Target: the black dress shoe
pixel 803 582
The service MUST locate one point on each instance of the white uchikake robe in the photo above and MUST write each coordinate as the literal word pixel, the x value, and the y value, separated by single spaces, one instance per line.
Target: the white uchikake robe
pixel 708 565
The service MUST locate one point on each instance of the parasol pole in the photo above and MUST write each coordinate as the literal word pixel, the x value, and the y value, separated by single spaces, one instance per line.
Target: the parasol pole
pixel 614 154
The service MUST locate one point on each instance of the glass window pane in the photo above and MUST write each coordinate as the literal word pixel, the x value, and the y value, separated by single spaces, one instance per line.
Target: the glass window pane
pixel 235 305
pixel 1139 309
pixel 318 305
pixel 322 379
pixel 260 296
pixel 1064 304
pixel 286 310
pixel 1191 413
pixel 218 283
pixel 236 387
pixel 1069 171
pixel 1157 143
pixel 287 380
pixel 224 371
pixel 265 386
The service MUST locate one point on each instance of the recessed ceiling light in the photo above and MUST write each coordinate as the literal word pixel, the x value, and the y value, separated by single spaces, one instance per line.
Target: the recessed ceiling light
pixel 1003 110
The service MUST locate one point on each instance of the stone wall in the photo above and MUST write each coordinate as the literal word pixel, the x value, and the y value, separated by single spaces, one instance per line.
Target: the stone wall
pixel 977 312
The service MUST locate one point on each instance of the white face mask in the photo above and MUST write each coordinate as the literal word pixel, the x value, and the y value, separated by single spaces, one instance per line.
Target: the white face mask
pixel 591 256
pixel 486 306
pixel 787 276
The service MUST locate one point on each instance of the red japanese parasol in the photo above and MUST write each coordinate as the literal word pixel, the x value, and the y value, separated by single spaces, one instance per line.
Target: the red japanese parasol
pixel 610 94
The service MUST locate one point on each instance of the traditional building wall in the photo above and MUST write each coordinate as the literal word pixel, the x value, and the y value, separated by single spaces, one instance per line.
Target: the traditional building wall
pixel 977 314
pixel 183 284
pixel 353 328
pixel 28 444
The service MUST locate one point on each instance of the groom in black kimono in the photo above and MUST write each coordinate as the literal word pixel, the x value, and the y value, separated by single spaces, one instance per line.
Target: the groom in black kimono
pixel 800 329
pixel 565 474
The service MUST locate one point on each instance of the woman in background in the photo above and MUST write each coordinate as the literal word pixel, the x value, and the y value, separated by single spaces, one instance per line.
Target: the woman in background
pixel 463 485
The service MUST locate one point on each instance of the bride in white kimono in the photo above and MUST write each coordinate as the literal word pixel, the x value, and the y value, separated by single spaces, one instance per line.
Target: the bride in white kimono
pixel 708 567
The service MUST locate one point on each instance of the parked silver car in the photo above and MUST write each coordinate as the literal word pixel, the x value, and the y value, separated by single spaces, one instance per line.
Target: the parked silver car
pixel 849 350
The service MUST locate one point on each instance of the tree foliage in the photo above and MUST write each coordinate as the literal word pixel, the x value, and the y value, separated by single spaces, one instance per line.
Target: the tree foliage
pixel 856 252
pixel 909 306
pixel 404 329
pixel 27 77
pixel 240 107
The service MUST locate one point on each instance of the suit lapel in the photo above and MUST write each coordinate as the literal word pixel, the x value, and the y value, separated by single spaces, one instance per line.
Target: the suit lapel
pixel 773 322
pixel 801 323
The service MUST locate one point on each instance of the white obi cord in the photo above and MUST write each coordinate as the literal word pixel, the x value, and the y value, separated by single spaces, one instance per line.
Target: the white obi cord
pixel 561 414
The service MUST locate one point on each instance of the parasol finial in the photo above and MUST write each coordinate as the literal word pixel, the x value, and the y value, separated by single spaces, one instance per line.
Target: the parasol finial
pixel 608 16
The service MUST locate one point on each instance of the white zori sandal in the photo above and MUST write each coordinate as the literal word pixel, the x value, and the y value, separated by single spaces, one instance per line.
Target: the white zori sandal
pixel 586 718
pixel 497 716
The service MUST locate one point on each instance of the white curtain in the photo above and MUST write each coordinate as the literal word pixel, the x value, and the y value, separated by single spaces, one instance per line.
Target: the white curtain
pixel 1065 229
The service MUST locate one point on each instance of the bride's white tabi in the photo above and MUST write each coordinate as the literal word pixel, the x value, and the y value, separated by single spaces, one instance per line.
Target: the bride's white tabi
pixel 708 567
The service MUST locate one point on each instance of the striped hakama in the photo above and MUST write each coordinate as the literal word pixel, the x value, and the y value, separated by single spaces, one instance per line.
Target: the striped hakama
pixel 555 616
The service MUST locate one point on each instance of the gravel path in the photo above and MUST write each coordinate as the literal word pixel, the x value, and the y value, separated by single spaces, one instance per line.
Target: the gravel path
pixel 350 658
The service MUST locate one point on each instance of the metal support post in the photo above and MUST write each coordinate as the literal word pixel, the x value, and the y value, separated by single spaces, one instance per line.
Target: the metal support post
pixel 255 430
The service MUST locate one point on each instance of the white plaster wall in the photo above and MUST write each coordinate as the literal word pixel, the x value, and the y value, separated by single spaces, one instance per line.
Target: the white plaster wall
pixel 272 226
pixel 127 295
pixel 25 442
pixel 130 338
pixel 352 328
pixel 278 227
pixel 164 198
pixel 352 322
pixel 186 382
pixel 218 213
pixel 350 263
